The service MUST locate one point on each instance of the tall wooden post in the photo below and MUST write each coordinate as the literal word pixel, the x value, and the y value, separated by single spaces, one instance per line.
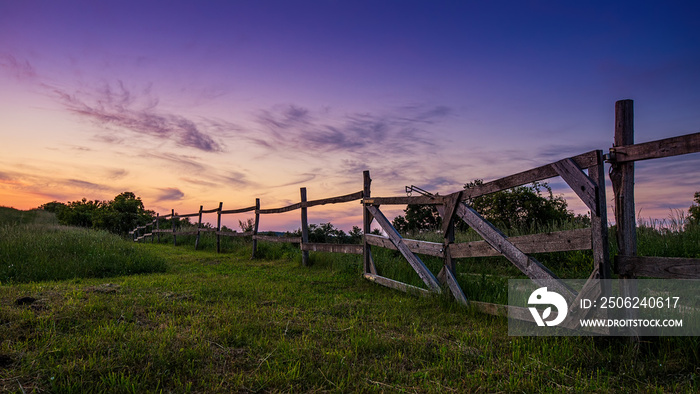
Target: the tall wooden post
pixel 599 222
pixel 158 226
pixel 199 226
pixel 218 227
pixel 172 218
pixel 366 225
pixel 304 227
pixel 622 177
pixel 255 227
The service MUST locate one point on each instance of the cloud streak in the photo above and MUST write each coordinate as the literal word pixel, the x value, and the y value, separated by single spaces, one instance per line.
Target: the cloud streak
pixel 119 108
pixel 397 132
pixel 20 70
pixel 170 194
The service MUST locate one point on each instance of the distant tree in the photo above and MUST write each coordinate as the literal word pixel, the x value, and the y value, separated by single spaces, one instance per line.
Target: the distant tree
pixel 122 214
pixel 119 216
pixel 418 218
pixel 694 211
pixel 523 206
pixel 518 207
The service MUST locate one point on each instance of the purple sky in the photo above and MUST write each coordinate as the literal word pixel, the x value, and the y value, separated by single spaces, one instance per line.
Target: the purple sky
pixel 189 103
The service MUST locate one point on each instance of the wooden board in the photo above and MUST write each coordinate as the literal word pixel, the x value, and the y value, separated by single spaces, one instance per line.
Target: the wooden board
pixel 415 246
pixel 240 210
pixel 412 259
pixel 333 248
pixel 559 241
pixel 273 238
pixel 336 200
pixel 396 285
pixel 584 161
pixel 232 234
pixel 579 182
pixel 188 215
pixel 280 210
pixel 184 233
pixel 689 143
pixel 528 265
pixel 659 267
pixel 421 200
pixel 210 210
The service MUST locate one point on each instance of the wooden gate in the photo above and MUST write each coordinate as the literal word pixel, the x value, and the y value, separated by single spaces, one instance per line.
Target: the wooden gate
pixel 583 173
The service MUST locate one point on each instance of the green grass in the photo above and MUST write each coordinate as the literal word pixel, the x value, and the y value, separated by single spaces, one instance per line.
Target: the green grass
pixel 223 323
pixel 34 248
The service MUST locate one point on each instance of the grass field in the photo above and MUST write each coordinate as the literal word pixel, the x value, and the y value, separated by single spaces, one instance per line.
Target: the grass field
pixel 224 323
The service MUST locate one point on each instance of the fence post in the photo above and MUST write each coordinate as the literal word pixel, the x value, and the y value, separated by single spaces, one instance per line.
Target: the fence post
pixel 366 225
pixel 199 226
pixel 173 220
pixel 622 177
pixel 218 228
pixel 255 227
pixel 158 226
pixel 599 222
pixel 304 228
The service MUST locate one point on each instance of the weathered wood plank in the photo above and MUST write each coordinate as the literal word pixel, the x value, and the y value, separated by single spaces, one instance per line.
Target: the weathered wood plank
pixel 622 178
pixel 415 246
pixel 185 233
pixel 674 146
pixel 454 287
pixel 304 227
pixel 599 222
pixel 659 267
pixel 579 182
pixel 368 266
pixel 528 265
pixel 280 210
pixel 584 160
pixel 274 238
pixel 396 285
pixel 559 241
pixel 187 215
pixel 336 200
pixel 210 210
pixel 421 200
pixel 398 241
pixel 332 248
pixel 256 225
pixel 232 234
pixel 240 210
pixel 218 227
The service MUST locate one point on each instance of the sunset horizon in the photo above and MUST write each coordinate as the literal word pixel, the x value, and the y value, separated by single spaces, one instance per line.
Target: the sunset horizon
pixel 229 102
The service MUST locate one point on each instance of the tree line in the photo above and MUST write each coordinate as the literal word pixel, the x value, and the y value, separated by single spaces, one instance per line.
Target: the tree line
pixel 520 207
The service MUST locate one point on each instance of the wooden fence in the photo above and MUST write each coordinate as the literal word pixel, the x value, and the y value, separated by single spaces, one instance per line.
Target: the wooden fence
pixel 153 229
pixel 584 173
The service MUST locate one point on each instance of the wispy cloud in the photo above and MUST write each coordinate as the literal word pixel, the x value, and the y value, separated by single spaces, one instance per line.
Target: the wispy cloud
pixel 170 194
pixel 85 185
pixel 396 132
pixel 118 108
pixel 20 69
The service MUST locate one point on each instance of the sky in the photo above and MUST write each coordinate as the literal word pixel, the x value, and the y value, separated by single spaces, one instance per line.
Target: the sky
pixel 191 103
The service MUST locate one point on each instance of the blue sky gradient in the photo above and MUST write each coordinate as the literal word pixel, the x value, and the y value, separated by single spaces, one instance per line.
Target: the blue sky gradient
pixel 186 103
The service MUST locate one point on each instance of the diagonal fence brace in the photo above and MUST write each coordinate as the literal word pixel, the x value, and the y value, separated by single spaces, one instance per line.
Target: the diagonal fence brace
pixel 397 240
pixel 528 265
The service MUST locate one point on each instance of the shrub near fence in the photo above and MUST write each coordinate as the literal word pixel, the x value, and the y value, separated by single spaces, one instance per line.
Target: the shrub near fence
pixel 584 173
